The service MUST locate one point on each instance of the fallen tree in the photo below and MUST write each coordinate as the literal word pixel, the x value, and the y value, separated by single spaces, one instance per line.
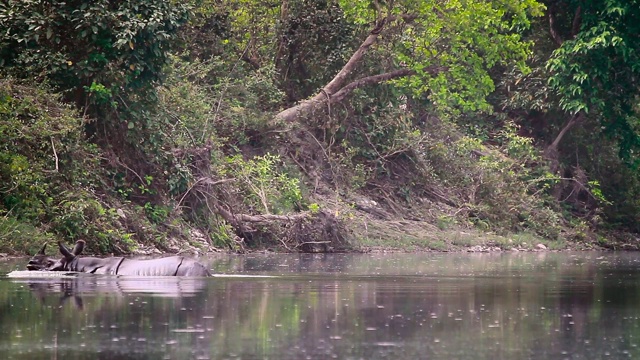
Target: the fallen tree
pixel 455 59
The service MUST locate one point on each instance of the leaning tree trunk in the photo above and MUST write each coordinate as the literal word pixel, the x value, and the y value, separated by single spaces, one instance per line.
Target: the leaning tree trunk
pixel 553 156
pixel 310 154
pixel 551 152
pixel 341 85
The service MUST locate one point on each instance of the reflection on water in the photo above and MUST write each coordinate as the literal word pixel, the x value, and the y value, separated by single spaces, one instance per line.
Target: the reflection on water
pixel 435 306
pixel 89 284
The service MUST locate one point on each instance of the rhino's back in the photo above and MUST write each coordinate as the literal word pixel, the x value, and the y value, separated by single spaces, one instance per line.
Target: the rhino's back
pixel 167 266
pixel 190 267
pixel 94 265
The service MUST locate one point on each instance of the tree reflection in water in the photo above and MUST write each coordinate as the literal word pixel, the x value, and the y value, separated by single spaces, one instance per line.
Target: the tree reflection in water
pixel 534 306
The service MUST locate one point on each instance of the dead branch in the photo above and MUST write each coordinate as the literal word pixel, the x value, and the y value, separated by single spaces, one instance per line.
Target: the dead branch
pixel 312 242
pixel 55 154
pixel 369 80
pixel 268 218
pixel 203 181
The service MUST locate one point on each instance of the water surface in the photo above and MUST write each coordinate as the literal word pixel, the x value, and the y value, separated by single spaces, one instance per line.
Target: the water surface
pixel 380 306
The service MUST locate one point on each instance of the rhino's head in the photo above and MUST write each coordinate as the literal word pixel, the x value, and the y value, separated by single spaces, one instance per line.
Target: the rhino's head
pixel 40 261
pixel 68 256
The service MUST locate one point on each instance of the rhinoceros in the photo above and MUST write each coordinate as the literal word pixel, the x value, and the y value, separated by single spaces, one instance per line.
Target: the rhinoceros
pixel 167 266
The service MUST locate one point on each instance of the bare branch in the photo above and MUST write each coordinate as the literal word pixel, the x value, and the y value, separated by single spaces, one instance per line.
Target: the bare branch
pixel 311 242
pixel 338 88
pixel 577 117
pixel 202 181
pixel 338 81
pixel 552 28
pixel 55 154
pixel 369 80
pixel 577 21
pixel 267 218
pixel 375 79
pixel 249 57
pixel 551 152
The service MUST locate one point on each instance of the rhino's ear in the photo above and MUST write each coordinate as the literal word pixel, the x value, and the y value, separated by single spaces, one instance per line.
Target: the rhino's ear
pixel 41 252
pixel 77 250
pixel 68 255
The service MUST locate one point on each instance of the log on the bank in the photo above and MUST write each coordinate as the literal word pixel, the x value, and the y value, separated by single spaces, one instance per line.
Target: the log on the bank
pixel 307 232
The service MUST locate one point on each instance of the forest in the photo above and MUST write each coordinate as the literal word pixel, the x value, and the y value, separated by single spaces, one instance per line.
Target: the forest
pixel 148 126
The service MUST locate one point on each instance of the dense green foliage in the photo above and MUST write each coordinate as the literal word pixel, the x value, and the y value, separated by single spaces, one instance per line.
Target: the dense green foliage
pixel 597 70
pixel 49 174
pixel 89 47
pixel 154 122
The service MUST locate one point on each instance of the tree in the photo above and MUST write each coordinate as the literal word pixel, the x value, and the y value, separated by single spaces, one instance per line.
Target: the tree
pixel 580 103
pixel 439 48
pixel 596 68
pixel 89 48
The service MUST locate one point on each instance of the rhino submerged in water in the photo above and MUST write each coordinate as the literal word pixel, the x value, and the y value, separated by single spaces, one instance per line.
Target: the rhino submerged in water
pixel 168 266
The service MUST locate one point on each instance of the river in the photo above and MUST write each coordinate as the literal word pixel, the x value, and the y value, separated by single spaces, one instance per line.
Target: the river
pixel 544 305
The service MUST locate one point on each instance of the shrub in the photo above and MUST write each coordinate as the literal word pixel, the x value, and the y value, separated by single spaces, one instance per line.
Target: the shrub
pixel 262 183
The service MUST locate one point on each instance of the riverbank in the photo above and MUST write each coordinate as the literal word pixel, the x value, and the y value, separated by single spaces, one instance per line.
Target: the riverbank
pixel 443 192
pixel 360 231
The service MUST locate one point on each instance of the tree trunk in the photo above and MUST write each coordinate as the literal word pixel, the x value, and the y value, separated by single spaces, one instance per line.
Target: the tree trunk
pixel 338 88
pixel 552 155
pixel 551 152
